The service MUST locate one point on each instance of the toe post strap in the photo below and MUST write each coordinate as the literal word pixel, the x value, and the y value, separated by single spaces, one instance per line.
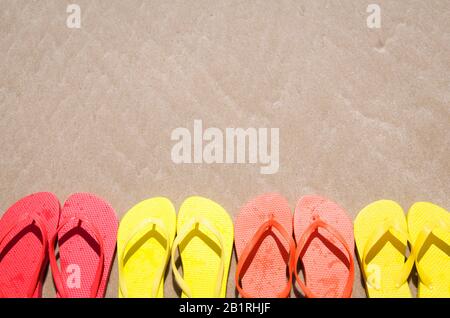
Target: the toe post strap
pixel 266 227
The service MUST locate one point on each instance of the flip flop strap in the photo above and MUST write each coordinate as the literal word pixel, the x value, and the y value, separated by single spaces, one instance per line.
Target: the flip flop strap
pixel 54 265
pixel 315 225
pixel 195 224
pixel 42 256
pixel 263 229
pixel 146 226
pixel 418 248
pixel 372 242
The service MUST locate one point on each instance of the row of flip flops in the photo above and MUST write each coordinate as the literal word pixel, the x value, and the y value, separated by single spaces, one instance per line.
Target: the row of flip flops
pixel 84 230
pixel 271 245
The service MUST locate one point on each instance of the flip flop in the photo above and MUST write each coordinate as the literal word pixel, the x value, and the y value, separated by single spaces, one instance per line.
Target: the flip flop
pixel 325 246
pixel 86 236
pixel 144 240
pixel 24 231
pixel 381 237
pixel 264 247
pixel 205 241
pixel 429 231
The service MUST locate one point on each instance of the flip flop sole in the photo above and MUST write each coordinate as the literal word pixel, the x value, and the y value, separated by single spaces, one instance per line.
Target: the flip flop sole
pixel 147 255
pixel 78 246
pixel 200 253
pixel 386 266
pixel 435 260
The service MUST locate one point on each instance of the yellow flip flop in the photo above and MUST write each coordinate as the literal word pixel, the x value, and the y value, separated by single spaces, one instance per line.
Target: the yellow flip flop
pixel 381 237
pixel 205 242
pixel 429 230
pixel 144 240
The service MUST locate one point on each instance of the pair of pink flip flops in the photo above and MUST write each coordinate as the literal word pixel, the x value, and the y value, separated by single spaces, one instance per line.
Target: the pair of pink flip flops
pixel 85 230
pixel 268 255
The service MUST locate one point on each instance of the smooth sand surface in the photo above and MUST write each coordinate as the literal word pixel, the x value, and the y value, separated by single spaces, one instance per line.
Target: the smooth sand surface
pixel 363 113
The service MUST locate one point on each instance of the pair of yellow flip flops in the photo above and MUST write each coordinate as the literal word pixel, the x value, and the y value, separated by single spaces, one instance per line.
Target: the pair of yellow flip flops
pixel 382 234
pixel 146 242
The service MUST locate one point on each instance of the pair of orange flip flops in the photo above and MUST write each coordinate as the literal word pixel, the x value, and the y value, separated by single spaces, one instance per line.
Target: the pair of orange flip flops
pixel 268 256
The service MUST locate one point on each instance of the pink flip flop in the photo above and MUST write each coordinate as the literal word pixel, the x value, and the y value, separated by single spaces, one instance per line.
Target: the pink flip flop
pixel 87 242
pixel 325 246
pixel 264 247
pixel 24 231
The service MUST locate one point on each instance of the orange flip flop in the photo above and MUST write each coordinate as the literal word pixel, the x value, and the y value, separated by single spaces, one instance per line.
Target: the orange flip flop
pixel 325 246
pixel 264 247
pixel 24 233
